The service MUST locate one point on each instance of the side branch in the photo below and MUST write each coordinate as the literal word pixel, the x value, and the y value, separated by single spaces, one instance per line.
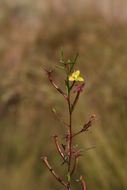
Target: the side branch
pixel 75 101
pixel 49 73
pixel 82 183
pixel 72 85
pixel 59 119
pixel 74 166
pixel 79 89
pixel 58 148
pixel 86 126
pixel 45 160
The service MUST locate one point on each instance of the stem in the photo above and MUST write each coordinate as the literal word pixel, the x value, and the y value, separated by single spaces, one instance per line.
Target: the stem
pixel 59 149
pixel 60 120
pixel 70 139
pixel 74 166
pixel 75 134
pixel 49 73
pixel 82 183
pixel 45 160
pixel 72 85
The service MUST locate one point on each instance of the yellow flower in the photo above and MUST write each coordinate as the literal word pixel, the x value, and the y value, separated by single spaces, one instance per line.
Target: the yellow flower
pixel 75 76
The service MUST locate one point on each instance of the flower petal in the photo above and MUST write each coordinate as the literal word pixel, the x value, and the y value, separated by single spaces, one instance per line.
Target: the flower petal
pixel 71 78
pixel 80 79
pixel 73 74
pixel 77 73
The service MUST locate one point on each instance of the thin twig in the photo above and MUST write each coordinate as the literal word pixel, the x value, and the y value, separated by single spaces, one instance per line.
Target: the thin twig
pixel 82 183
pixel 58 148
pixel 60 120
pixel 49 73
pixel 86 126
pixel 45 160
pixel 77 133
pixel 72 85
pixel 74 166
pixel 77 97
pixel 75 101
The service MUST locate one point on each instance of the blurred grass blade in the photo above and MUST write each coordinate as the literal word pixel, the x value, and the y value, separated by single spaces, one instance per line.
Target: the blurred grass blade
pixel 61 58
pixel 60 67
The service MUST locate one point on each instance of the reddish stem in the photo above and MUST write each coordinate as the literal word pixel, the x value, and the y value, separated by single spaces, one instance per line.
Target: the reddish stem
pixel 45 160
pixel 70 138
pixel 74 166
pixel 82 183
pixel 60 120
pixel 58 147
pixel 49 73
pixel 75 100
pixel 79 132
pixel 86 126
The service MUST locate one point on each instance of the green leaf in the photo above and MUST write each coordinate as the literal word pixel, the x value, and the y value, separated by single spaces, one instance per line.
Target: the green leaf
pixel 68 177
pixel 74 61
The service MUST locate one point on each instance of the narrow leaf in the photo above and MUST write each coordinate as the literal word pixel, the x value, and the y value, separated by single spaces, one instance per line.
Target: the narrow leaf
pixel 74 61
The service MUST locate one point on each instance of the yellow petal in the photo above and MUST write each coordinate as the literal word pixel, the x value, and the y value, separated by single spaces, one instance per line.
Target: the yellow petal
pixel 77 73
pixel 71 78
pixel 80 79
pixel 73 74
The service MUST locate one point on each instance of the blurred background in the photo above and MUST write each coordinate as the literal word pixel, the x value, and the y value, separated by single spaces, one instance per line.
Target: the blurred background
pixel 31 35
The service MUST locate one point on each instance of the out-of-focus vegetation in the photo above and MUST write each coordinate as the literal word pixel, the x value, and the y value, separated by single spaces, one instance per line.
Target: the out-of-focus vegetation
pixel 28 40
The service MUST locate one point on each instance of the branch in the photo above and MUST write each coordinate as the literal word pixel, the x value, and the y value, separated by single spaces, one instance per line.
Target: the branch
pixel 78 89
pixel 49 73
pixel 72 85
pixel 45 160
pixel 86 126
pixel 68 138
pixel 59 119
pixel 74 166
pixel 75 101
pixel 82 183
pixel 58 148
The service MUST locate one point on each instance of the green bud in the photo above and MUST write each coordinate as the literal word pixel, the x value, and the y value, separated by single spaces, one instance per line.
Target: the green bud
pixel 54 110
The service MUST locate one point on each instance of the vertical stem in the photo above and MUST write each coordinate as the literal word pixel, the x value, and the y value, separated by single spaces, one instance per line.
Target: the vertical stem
pixel 70 138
